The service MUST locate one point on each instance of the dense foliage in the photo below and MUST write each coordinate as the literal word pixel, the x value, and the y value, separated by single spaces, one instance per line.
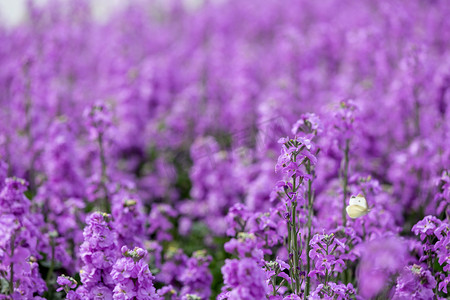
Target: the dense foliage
pixel 249 149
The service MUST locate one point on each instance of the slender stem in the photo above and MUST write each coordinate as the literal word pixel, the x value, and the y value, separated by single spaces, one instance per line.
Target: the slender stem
pixel 11 266
pixel 104 177
pixel 326 273
pixel 289 244
pixel 11 279
pixel 294 236
pixel 273 286
pixel 345 181
pixel 310 215
pixel 430 261
pixel 364 229
pixel 280 285
pixel 52 263
pixel 416 113
pixel 28 123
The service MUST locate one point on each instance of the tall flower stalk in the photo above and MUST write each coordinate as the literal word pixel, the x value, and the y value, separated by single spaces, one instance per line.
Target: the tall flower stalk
pixel 345 181
pixel 296 163
pixel 344 126
pixel 99 121
pixel 310 216
pixel 104 176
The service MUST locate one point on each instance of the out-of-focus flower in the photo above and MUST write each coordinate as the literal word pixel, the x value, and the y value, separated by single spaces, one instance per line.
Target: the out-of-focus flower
pixel 380 259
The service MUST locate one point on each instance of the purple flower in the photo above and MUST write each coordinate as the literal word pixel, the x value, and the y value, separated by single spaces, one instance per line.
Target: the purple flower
pixel 99 253
pixel 308 123
pixel 333 291
pixel 66 283
pixel 325 252
pixel 128 217
pixel 132 276
pixel 20 240
pixel 196 277
pixel 426 227
pixel 380 259
pixel 444 284
pixel 415 282
pixel 243 279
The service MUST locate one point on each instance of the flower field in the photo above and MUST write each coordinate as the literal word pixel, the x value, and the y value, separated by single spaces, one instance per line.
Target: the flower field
pixel 237 149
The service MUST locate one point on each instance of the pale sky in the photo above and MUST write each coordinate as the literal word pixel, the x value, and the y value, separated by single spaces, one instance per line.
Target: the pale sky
pixel 12 11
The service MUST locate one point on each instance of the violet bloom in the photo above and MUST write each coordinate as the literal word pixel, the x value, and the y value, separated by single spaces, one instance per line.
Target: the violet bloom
pixel 132 276
pixel 168 292
pixel 333 291
pixel 99 120
pixel 325 253
pixel 415 282
pixel 429 229
pixel 67 284
pixel 196 277
pixel 380 259
pixel 173 267
pixel 426 227
pixel 159 220
pixel 246 245
pixel 442 198
pixel 309 123
pixel 274 269
pixel 20 240
pixel 435 239
pixel 98 253
pixel 62 193
pixel 217 183
pixel 237 218
pixel 444 284
pixel 243 279
pixel 128 217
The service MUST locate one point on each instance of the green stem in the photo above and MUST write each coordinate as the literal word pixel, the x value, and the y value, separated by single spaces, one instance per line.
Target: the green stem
pixel 416 114
pixel 295 248
pixel 345 183
pixel 52 263
pixel 11 266
pixel 294 237
pixel 104 177
pixel 274 288
pixel 310 215
pixel 430 261
pixel 289 244
pixel 28 125
pixel 326 273
pixel 364 229
pixel 280 285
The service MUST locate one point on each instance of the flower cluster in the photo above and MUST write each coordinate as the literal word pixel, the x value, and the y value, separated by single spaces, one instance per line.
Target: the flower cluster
pixel 243 279
pixel 380 259
pixel 325 251
pixel 415 282
pixel 434 235
pixel 196 277
pixel 67 284
pixel 333 291
pixel 19 242
pixel 132 276
pixel 99 254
